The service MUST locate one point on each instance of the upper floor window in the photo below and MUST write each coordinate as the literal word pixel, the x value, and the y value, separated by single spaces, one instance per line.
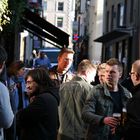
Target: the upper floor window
pixel 121 14
pixel 60 22
pixel 112 17
pixel 45 5
pixel 60 6
pixel 107 21
pixel 131 10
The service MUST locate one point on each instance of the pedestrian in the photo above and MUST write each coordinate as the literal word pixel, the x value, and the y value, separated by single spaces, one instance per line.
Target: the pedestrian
pixel 42 61
pixel 132 125
pixel 72 99
pixel 39 120
pixel 17 90
pixel 104 100
pixel 16 83
pixel 62 72
pixel 101 72
pixel 6 113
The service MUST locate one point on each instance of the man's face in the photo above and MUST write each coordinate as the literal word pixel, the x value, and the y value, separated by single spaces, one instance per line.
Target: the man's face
pixel 65 61
pixel 31 86
pixel 134 77
pixel 112 75
pixel 101 75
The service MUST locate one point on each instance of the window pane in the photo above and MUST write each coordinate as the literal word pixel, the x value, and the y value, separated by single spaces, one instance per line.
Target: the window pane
pixel 45 5
pixel 60 6
pixel 59 22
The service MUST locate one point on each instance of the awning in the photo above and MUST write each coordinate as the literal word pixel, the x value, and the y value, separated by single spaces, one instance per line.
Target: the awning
pixel 42 28
pixel 113 35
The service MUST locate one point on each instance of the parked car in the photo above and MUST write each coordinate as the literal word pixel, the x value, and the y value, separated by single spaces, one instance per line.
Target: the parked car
pixel 51 53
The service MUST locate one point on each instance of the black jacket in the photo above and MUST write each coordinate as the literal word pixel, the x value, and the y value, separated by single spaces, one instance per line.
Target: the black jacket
pixel 133 115
pixel 39 121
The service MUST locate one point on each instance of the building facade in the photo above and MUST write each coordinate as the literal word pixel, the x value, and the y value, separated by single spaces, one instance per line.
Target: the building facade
pixel 89 15
pixel 61 14
pixel 121 32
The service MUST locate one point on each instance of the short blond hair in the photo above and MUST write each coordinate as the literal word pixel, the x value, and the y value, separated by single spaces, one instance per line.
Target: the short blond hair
pixel 85 65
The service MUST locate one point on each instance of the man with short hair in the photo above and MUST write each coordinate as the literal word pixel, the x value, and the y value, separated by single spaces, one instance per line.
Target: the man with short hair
pixel 62 72
pixel 72 99
pixel 101 72
pixel 133 106
pixel 6 114
pixel 104 100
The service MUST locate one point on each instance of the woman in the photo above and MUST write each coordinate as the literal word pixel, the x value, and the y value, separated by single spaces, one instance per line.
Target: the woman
pixel 17 91
pixel 39 120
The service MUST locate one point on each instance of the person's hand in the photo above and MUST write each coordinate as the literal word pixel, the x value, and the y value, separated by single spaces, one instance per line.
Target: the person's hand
pixel 111 121
pixel 32 99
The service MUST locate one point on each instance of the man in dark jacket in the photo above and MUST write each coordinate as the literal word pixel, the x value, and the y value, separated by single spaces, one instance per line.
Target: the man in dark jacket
pixel 133 106
pixel 62 72
pixel 39 120
pixel 104 100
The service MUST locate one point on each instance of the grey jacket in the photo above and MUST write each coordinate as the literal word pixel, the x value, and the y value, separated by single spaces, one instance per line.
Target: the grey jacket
pixel 6 114
pixel 72 99
pixel 99 105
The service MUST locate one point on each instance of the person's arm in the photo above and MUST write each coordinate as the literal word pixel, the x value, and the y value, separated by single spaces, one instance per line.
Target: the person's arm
pixel 89 114
pixel 6 113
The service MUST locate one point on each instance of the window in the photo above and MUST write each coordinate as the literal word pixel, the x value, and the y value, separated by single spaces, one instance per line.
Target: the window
pixel 131 10
pixel 60 22
pixel 112 17
pixel 45 5
pixel 60 6
pixel 107 21
pixel 121 15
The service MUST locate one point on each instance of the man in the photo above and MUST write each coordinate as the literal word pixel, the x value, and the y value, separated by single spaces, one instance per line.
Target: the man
pixel 42 61
pixel 133 106
pixel 101 72
pixel 6 114
pixel 62 73
pixel 72 99
pixel 104 100
pixel 38 121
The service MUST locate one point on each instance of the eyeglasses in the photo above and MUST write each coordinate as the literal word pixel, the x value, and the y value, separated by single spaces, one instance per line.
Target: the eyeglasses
pixel 67 59
pixel 131 73
pixel 29 82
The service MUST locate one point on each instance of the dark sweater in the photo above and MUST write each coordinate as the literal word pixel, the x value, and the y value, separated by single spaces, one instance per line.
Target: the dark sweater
pixel 39 120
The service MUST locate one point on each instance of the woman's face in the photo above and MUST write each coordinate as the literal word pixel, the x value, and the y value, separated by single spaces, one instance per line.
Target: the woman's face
pixel 31 86
pixel 21 72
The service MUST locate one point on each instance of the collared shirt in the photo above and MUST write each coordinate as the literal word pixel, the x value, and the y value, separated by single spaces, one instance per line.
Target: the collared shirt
pixel 60 78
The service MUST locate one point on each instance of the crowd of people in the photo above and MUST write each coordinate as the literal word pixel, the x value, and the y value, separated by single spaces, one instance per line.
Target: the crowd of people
pixel 56 103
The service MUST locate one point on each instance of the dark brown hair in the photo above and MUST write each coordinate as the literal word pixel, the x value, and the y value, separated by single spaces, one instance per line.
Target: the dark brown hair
pixel 115 61
pixel 41 77
pixel 65 50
